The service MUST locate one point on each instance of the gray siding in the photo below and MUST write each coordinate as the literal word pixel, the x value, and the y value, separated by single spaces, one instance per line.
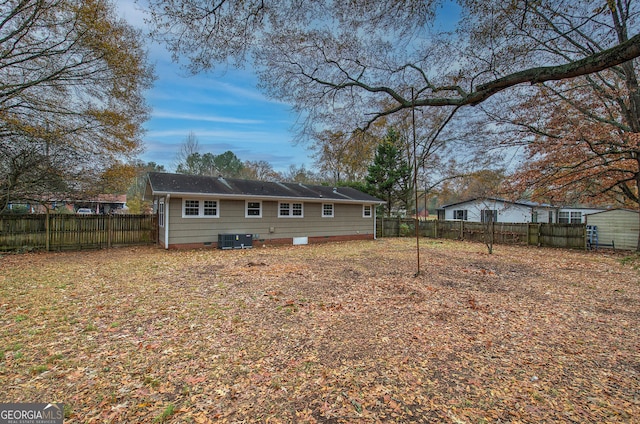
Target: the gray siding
pixel 619 225
pixel 347 221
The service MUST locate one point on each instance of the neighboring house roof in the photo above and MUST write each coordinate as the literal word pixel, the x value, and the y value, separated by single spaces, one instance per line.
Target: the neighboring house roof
pixel 100 198
pixel 614 210
pixel 109 198
pixel 197 185
pixel 492 199
pixel 526 203
pixel 582 208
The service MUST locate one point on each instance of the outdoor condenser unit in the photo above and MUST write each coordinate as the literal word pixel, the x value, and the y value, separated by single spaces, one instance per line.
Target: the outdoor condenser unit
pixel 235 241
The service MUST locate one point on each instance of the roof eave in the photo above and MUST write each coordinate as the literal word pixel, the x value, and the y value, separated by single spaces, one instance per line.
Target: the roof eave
pixel 263 197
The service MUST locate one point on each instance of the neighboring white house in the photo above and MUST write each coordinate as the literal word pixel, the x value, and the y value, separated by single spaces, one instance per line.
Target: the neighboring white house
pixel 576 215
pixel 485 210
pixel 499 210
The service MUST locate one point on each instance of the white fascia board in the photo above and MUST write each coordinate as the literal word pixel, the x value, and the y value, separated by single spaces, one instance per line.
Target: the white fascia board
pixel 272 198
pixel 166 220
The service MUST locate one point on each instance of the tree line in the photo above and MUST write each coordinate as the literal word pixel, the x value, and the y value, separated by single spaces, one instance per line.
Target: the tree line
pixel 382 169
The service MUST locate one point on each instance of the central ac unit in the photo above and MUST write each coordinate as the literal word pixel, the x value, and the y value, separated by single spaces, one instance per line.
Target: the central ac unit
pixel 235 241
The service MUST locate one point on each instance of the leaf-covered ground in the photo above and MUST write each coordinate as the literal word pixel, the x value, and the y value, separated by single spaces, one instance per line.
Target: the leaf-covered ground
pixel 329 333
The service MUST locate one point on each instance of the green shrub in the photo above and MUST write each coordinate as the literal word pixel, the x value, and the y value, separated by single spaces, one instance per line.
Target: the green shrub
pixel 406 229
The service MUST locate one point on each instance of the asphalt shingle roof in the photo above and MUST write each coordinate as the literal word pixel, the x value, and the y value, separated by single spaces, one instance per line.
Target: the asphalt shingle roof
pixel 494 199
pixel 166 183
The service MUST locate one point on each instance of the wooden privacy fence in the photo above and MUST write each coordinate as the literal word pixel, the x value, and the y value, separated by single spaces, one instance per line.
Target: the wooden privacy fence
pixel 75 232
pixel 573 236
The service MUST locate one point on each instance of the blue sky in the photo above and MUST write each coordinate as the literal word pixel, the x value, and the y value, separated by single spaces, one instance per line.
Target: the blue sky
pixel 224 110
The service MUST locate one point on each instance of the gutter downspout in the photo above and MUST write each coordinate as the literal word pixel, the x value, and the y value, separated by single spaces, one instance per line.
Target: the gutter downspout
pixel 167 205
pixel 375 221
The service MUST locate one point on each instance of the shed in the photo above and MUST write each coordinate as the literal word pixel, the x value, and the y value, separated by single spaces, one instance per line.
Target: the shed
pixel 620 226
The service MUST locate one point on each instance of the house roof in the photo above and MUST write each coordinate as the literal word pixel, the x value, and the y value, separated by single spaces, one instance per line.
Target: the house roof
pixel 61 197
pixel 109 198
pixel 493 199
pixel 614 210
pixel 527 203
pixel 197 185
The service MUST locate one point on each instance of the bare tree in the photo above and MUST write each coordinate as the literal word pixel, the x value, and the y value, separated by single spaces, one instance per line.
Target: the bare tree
pixel 259 170
pixel 190 146
pixel 347 63
pixel 344 157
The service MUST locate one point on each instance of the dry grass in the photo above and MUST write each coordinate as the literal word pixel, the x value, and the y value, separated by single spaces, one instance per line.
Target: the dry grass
pixel 328 333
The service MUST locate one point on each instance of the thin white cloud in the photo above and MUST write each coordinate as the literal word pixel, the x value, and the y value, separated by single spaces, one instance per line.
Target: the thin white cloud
pixel 206 135
pixel 204 118
pixel 207 84
pixel 252 94
pixel 158 96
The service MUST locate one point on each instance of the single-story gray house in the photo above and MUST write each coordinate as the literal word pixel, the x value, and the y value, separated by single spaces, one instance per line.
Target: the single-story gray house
pixel 200 211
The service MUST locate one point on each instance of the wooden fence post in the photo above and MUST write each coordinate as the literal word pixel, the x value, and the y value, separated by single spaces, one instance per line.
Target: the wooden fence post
pixel 539 235
pixel 109 232
pixel 534 237
pixel 47 231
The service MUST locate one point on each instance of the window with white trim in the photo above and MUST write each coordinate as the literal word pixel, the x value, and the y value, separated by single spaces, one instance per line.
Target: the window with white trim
pixel 460 214
pixel 367 211
pixel 196 208
pixel 327 210
pixel 576 217
pixel 488 215
pixel 253 209
pixel 161 213
pixel 190 207
pixel 563 217
pixel 210 208
pixel 290 210
pixel 570 217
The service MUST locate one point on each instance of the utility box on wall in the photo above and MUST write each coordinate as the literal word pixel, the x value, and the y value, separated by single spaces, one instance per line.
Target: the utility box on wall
pixel 235 241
